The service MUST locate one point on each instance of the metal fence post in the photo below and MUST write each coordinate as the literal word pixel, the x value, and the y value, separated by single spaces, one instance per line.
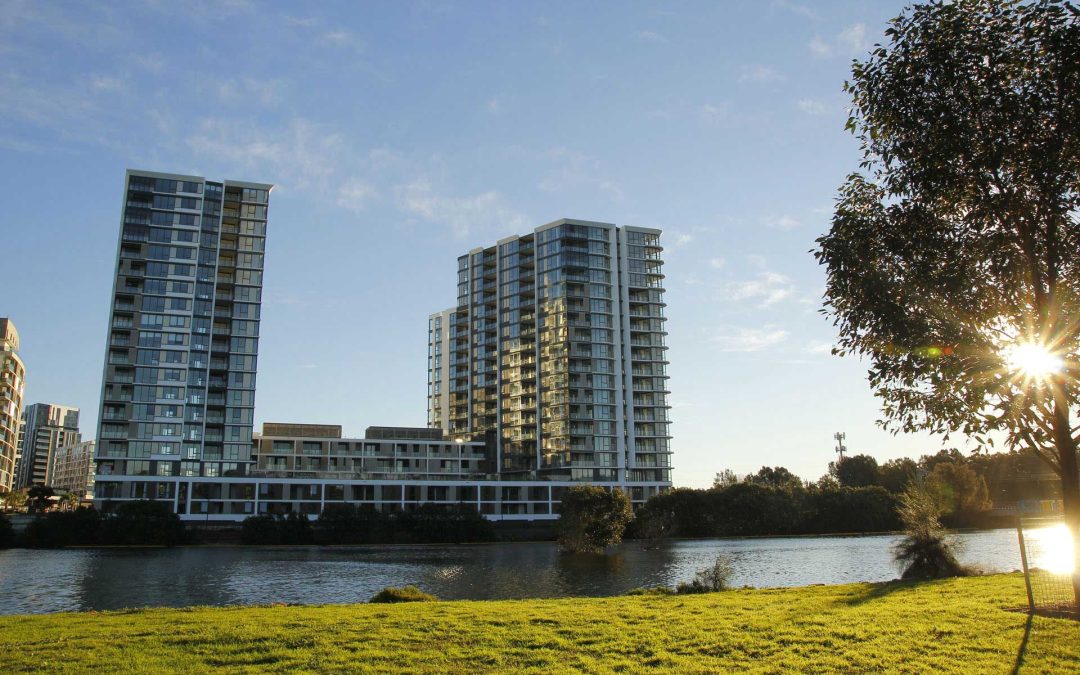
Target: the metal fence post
pixel 1024 563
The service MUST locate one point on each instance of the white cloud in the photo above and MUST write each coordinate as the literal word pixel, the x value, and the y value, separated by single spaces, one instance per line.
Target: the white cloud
pixel 756 72
pixel 493 105
pixel 302 153
pixel 818 348
pixel 710 111
pixel 796 8
pixel 812 107
pixel 819 47
pixel 576 170
pixel 355 194
pixel 749 339
pixel 784 222
pixel 463 215
pixel 247 89
pixel 106 84
pixel 650 36
pixel 767 289
pixel 717 263
pixel 853 38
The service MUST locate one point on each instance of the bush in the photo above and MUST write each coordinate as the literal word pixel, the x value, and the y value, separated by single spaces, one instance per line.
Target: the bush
pixel 925 552
pixel 260 530
pixel 349 524
pixel 653 590
pixel 712 579
pixel 81 527
pixel 293 528
pixel 438 524
pixel 404 594
pixel 296 529
pixel 144 522
pixel 7 532
pixel 592 518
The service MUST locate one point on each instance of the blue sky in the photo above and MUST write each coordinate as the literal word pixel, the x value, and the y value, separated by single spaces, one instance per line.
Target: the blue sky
pixel 401 134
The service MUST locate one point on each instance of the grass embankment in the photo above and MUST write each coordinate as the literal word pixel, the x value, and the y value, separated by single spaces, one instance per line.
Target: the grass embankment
pixel 953 626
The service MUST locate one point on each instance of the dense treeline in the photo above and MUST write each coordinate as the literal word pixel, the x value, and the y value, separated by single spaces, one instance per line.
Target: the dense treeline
pixel 349 524
pixel 747 509
pixel 856 495
pixel 137 523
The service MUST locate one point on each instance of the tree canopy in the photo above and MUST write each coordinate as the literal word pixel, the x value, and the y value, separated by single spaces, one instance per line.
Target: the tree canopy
pixel 592 518
pixel 956 249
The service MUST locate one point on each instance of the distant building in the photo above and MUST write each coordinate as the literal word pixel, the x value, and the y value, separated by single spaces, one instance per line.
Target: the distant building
pixel 178 389
pixel 47 428
pixel 555 353
pixel 73 469
pixel 12 386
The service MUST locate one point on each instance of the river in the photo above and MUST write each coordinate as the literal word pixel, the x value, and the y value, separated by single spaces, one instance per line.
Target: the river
pixel 36 581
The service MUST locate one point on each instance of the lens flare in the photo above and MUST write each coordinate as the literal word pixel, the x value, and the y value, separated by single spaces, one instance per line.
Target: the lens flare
pixel 1033 360
pixel 1051 549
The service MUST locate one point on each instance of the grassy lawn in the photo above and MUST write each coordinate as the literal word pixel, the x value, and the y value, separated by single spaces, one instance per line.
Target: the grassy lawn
pixel 950 626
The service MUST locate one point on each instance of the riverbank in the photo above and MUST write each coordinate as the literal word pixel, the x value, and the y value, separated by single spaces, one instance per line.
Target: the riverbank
pixel 954 625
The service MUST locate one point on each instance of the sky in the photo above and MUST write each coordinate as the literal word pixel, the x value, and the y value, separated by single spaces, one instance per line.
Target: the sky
pixel 400 135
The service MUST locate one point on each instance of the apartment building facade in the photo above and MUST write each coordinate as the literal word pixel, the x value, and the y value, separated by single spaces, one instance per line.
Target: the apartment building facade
pixel 12 387
pixel 178 387
pixel 72 469
pixel 555 354
pixel 47 427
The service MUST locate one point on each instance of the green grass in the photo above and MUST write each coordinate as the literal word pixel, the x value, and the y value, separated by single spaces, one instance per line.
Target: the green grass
pixel 950 626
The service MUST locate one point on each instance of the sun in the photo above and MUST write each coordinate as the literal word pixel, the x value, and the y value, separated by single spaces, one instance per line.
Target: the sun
pixel 1033 360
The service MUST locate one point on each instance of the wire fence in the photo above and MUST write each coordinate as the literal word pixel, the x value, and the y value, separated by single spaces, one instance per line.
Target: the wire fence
pixel 1049 562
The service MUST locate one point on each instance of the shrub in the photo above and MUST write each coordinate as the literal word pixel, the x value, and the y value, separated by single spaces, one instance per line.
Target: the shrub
pixel 293 528
pixel 260 530
pixel 592 518
pixel 653 590
pixel 7 532
pixel 349 524
pixel 925 552
pixel 404 594
pixel 711 579
pixel 296 529
pixel 439 524
pixel 81 527
pixel 144 522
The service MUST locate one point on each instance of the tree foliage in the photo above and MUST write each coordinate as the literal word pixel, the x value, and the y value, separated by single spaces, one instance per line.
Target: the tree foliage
pixel 592 518
pixel 856 471
pixel 960 239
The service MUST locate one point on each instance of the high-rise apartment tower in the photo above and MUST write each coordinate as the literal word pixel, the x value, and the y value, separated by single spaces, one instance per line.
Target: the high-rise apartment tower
pixel 47 427
pixel 178 391
pixel 555 354
pixel 12 375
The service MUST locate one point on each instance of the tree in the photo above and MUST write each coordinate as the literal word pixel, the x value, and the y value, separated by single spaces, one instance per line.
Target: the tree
pixel 16 499
pixel 958 489
pixel 779 477
pixel 38 497
pixel 592 518
pixel 725 478
pixel 953 264
pixel 856 471
pixel 897 473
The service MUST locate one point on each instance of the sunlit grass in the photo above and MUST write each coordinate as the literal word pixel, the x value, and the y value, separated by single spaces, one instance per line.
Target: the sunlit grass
pixel 949 626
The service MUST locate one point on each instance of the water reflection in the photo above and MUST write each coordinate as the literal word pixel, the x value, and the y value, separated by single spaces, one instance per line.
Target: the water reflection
pixel 49 581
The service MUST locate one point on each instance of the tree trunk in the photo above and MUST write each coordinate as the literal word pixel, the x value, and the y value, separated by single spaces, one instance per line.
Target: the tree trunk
pixel 1070 478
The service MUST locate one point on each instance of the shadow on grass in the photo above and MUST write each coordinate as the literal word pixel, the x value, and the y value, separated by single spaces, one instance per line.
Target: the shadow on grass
pixel 1020 653
pixel 872 592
